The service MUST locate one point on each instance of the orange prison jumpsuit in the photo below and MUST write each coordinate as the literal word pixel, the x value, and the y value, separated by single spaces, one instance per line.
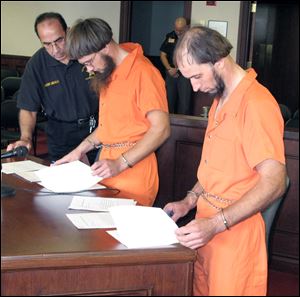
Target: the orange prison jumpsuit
pixel 136 88
pixel 247 131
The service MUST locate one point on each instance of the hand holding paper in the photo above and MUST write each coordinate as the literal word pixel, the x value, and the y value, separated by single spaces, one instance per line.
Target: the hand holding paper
pixel 143 227
pixel 69 177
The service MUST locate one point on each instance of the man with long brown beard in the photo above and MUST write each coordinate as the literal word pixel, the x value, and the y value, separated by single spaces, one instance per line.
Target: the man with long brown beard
pixel 133 110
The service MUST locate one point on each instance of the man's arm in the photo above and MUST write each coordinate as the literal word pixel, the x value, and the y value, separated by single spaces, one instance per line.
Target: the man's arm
pixel 179 209
pixel 270 186
pixel 89 143
pixel 158 132
pixel 171 70
pixel 27 121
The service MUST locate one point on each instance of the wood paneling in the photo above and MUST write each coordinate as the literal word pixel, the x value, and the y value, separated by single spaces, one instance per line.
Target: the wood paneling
pixel 14 62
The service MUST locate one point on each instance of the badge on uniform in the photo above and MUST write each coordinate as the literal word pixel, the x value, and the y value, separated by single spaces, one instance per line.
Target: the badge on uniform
pixel 171 40
pixel 51 83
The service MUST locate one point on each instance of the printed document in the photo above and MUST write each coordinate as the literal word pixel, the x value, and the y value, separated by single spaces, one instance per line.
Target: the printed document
pixel 98 203
pixel 69 177
pixel 142 226
pixel 21 166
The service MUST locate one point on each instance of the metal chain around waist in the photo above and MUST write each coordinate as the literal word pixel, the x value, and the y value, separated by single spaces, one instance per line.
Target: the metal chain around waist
pixel 117 144
pixel 205 195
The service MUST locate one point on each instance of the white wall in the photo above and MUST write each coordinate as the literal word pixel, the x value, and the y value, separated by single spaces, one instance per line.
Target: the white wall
pixel 223 11
pixel 17 20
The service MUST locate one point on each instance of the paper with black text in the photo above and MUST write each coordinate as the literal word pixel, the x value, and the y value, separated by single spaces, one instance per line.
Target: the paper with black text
pixel 142 226
pixel 21 166
pixel 69 177
pixel 98 203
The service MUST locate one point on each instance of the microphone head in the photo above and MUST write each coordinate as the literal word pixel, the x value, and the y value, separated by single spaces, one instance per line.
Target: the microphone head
pixel 21 151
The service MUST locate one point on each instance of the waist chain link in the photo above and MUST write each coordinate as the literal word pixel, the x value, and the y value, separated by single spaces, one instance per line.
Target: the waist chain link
pixel 206 195
pixel 117 144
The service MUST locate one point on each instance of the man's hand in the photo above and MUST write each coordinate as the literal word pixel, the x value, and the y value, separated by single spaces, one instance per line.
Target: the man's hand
pixel 173 72
pixel 27 143
pixel 198 232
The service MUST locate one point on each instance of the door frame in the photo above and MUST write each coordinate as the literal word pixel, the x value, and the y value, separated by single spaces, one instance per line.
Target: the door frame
pixel 125 18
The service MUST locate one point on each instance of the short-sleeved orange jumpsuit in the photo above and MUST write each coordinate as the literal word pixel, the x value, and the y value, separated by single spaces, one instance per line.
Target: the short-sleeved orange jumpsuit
pixel 136 88
pixel 247 131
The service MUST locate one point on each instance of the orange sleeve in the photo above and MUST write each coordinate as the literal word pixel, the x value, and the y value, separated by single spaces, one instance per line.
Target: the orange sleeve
pixel 264 128
pixel 152 91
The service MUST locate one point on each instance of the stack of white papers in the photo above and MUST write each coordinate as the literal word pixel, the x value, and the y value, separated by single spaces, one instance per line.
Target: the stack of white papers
pixel 142 227
pixel 98 203
pixel 26 169
pixel 70 177
pixel 95 220
pixel 21 166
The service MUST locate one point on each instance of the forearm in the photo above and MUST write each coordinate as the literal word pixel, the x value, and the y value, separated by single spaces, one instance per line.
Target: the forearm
pixel 193 195
pixel 270 186
pixel 89 143
pixel 158 132
pixel 164 60
pixel 27 121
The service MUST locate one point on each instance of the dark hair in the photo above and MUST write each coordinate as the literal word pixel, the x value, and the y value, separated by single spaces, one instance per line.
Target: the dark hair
pixel 87 36
pixel 202 45
pixel 47 16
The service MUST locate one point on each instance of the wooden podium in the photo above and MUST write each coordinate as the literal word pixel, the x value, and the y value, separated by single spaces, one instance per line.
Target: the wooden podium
pixel 43 253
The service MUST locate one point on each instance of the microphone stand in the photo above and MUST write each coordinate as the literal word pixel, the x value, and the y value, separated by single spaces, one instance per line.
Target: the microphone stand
pixel 6 191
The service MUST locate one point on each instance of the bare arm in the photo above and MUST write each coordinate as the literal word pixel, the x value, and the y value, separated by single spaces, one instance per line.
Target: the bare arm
pixel 270 186
pixel 179 209
pixel 79 153
pixel 27 121
pixel 158 132
pixel 171 70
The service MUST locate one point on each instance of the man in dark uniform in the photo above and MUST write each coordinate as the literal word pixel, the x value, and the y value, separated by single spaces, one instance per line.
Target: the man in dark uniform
pixel 61 87
pixel 179 88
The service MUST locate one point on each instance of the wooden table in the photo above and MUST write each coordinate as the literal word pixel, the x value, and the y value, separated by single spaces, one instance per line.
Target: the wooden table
pixel 43 253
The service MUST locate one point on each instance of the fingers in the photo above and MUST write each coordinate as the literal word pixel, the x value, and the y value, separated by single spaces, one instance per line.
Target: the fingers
pixel 18 143
pixel 63 160
pixel 102 169
pixel 11 146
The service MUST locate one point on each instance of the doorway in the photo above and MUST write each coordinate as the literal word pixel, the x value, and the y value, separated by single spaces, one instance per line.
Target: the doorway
pixel 148 22
pixel 271 46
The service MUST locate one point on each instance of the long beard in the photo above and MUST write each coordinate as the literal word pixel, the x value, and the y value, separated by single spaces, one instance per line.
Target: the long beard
pixel 102 79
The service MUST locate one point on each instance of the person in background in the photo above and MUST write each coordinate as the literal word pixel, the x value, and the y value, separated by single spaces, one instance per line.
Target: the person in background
pixel 58 85
pixel 241 172
pixel 133 112
pixel 179 90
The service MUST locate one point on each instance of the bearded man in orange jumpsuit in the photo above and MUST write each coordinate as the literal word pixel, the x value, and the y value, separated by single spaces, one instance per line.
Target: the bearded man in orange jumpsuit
pixel 133 111
pixel 242 170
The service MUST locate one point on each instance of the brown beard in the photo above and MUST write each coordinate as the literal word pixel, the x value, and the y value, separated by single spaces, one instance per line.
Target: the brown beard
pixel 102 79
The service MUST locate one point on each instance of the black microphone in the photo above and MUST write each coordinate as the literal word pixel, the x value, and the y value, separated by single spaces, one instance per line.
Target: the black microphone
pixel 20 151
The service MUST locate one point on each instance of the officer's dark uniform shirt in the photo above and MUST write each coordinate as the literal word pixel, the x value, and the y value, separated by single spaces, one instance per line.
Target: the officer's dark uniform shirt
pixel 168 46
pixel 63 92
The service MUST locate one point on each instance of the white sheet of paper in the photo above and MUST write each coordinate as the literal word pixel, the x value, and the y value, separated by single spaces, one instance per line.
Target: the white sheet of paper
pixel 29 175
pixel 142 226
pixel 70 177
pixel 91 220
pixel 21 166
pixel 98 203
